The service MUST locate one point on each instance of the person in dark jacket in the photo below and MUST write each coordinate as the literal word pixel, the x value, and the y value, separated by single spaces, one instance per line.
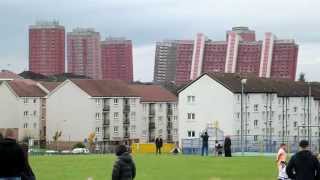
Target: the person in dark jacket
pixel 159 144
pixel 1 137
pixel 27 174
pixel 303 165
pixel 124 168
pixel 12 157
pixel 205 145
pixel 227 147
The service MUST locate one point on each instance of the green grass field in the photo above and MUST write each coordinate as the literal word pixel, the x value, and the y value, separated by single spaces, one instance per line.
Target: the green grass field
pixel 151 167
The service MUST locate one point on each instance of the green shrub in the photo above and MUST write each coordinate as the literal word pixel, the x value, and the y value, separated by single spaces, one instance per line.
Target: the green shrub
pixel 78 145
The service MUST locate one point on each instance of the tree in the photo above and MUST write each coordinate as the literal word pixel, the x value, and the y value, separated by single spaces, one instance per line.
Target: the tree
pixel 56 137
pixel 78 145
pixel 91 139
pixel 302 77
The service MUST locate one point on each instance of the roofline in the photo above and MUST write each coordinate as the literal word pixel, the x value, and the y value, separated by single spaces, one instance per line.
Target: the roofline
pixel 187 85
pixel 42 88
pixel 200 78
pixel 96 97
pixel 62 84
pixel 158 101
pixel 10 89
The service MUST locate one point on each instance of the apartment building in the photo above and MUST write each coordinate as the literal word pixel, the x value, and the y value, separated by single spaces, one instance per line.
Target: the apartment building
pixel 23 108
pixel 116 59
pixel 272 111
pixel 181 61
pixel 111 109
pixel 159 113
pixel 47 48
pixel 84 55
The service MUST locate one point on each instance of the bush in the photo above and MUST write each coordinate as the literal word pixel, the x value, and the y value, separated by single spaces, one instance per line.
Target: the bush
pixel 78 145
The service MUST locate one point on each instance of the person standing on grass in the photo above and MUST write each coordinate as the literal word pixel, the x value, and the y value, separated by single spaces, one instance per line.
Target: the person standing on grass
pixel 303 165
pixel 227 146
pixel 205 145
pixel 281 156
pixel 124 168
pixel 159 144
pixel 27 174
pixel 12 158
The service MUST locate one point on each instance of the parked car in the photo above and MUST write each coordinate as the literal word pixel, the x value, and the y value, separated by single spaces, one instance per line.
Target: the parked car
pixel 80 151
pixel 51 152
pixel 66 152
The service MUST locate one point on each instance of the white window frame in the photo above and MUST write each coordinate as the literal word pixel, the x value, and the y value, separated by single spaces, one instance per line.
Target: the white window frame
pixel 97 116
pixel 116 115
pixel 191 116
pixel 116 129
pixel 115 101
pixel 191 99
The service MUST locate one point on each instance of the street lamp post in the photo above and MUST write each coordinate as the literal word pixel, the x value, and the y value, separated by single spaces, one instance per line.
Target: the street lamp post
pixel 243 82
pixel 309 114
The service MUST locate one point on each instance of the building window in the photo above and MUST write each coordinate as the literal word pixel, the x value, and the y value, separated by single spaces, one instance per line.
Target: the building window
pixel 255 123
pixel 160 131
pixel 133 102
pixel 98 102
pixel 295 109
pixel 25 100
pixel 34 100
pixel 25 113
pixel 144 108
pixel 160 120
pixel 34 113
pixel 175 118
pixel 175 131
pixel 238 98
pixel 295 124
pixel 255 107
pixel 133 129
pixel 116 129
pixel 238 115
pixel 175 107
pixel 191 99
pixel 133 116
pixel 115 101
pixel 191 116
pixel 255 137
pixel 97 130
pixel 191 134
pixel 116 115
pixel 25 125
pixel 34 125
pixel 97 116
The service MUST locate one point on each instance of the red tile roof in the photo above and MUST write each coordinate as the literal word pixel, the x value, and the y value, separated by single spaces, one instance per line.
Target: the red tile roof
pixel 26 88
pixel 5 74
pixel 104 88
pixel 153 93
pixel 50 85
pixel 118 88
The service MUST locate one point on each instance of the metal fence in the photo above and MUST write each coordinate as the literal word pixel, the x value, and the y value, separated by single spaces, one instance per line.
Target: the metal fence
pixel 257 144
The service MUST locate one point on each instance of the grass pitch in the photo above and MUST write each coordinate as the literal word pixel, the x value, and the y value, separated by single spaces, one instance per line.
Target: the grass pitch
pixel 151 167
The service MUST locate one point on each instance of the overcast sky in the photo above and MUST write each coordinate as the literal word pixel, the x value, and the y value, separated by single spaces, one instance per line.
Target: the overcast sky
pixel 148 21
